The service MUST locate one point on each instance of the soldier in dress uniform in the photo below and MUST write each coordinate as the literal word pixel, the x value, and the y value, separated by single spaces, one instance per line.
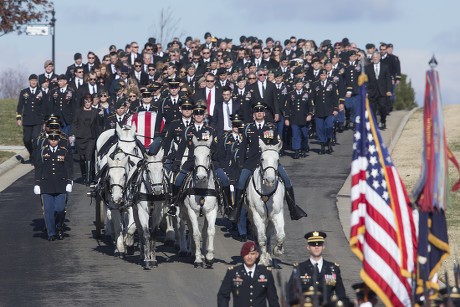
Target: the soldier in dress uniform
pixel 119 117
pixel 325 98
pixel 249 159
pixel 351 75
pixel 29 113
pixel 249 284
pixel 170 104
pixel 202 132
pixel 62 102
pixel 316 271
pixel 299 113
pixel 281 92
pixel 53 180
pixel 49 74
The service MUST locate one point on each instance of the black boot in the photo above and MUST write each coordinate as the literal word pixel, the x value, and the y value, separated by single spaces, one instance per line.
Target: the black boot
pixel 83 170
pixel 329 146
pixel 295 211
pixel 88 173
pixel 227 199
pixel 234 216
pixel 297 154
pixel 323 150
pixel 175 201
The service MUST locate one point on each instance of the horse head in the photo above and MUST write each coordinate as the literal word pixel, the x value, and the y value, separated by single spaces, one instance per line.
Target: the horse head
pixel 202 154
pixel 269 159
pixel 127 139
pixel 117 178
pixel 155 172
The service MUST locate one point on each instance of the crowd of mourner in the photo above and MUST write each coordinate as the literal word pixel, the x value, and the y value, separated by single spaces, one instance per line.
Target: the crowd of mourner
pixel 294 91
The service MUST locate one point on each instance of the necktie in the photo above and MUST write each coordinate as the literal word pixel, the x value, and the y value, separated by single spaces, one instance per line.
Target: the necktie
pixel 228 112
pixel 186 123
pixel 33 91
pixel 250 274
pixel 62 90
pixel 94 89
pixel 79 82
pixel 298 92
pixel 324 83
pixel 174 101
pixel 241 93
pixel 263 90
pixel 208 99
pixel 260 126
pixel 377 71
pixel 317 268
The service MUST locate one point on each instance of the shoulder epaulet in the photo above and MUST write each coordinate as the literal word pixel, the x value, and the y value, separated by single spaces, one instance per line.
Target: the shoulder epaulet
pixel 295 264
pixel 230 268
pixel 336 264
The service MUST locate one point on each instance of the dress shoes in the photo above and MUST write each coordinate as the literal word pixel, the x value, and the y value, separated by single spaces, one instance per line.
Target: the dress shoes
pixel 52 238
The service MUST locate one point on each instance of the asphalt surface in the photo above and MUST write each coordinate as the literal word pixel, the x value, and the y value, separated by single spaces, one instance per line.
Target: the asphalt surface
pixel 81 271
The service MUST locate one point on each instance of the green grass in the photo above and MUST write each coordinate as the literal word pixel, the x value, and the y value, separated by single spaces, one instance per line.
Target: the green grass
pixel 5 155
pixel 10 133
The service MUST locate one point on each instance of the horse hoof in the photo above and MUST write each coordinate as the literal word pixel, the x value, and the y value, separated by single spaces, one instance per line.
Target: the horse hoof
pixel 146 266
pixel 154 264
pixel 198 265
pixel 209 263
pixel 130 250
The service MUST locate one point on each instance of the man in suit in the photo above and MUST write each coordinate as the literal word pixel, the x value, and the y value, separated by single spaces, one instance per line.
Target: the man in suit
pixel 53 180
pixel 29 113
pixel 134 54
pixel 92 64
pixel 223 111
pixel 316 271
pixel 77 80
pixel 250 284
pixel 141 77
pixel 71 69
pixel 209 94
pixel 379 88
pixel 267 60
pixel 264 91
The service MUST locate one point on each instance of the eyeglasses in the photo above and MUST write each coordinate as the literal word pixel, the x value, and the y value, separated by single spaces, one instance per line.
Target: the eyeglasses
pixel 261 75
pixel 206 52
pixel 104 95
pixel 92 79
pixel 151 69
pixel 137 65
pixel 210 80
pixel 252 78
pixel 266 52
pixel 132 96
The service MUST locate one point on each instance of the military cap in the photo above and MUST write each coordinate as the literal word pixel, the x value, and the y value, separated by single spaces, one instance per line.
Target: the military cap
pixel 33 77
pixel 119 103
pixel 278 73
pixel 213 59
pixel 172 64
pixel 327 62
pixel 362 291
pixel 352 52
pixel 173 82
pixel 48 62
pixel 187 104
pixel 52 117
pixel 54 125
pixel 62 77
pixel 124 69
pixel 258 107
pixel 188 39
pixel 221 71
pixel 207 34
pixel 249 246
pixel 297 70
pixel 227 59
pixel 292 63
pixel 323 72
pixel 112 47
pixel 315 238
pixel 248 64
pixel 199 108
pixel 454 292
pixel 263 66
pixel 370 45
pixel 298 80
pixel 338 44
pixel 77 56
pixel 117 86
pixel 237 121
pixel 54 136
pixel 155 86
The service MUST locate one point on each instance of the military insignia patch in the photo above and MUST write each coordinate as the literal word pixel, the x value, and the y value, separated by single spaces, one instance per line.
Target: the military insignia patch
pixel 268 134
pixel 205 136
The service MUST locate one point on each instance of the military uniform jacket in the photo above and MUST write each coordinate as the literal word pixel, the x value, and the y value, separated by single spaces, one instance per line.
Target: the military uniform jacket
pixel 330 274
pixel 298 107
pixel 325 98
pixel 351 75
pixel 280 97
pixel 53 170
pixel 394 66
pixel 204 134
pixel 111 121
pixel 227 154
pixel 244 102
pixel 170 111
pixel 250 153
pixel 62 104
pixel 30 107
pixel 175 135
pixel 247 291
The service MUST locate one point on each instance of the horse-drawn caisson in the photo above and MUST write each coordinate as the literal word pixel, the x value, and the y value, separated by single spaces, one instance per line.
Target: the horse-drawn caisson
pixel 182 179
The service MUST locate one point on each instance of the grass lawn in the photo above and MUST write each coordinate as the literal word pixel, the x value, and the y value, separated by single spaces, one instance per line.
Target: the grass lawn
pixel 5 155
pixel 10 133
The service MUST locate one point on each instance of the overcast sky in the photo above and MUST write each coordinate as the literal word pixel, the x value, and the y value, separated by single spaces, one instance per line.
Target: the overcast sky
pixel 416 28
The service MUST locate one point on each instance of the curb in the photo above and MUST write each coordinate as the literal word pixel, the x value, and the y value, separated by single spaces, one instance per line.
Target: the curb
pixel 343 196
pixel 13 161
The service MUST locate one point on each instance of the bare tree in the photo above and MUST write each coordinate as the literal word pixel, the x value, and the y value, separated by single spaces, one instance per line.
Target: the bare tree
pixel 167 26
pixel 16 13
pixel 12 81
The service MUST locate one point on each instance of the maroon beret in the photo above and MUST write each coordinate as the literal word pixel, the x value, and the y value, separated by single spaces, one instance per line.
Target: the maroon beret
pixel 249 246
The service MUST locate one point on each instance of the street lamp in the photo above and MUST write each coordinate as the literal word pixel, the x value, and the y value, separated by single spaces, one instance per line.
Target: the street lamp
pixel 53 25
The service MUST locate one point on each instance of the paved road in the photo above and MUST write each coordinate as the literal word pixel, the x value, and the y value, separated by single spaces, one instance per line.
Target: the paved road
pixel 81 271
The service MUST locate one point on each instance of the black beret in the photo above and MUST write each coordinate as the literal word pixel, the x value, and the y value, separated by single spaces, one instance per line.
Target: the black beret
pixel 119 103
pixel 62 77
pixel 207 34
pixel 77 56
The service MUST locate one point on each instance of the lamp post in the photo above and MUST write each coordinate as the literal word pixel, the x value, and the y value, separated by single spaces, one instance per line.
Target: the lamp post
pixel 53 25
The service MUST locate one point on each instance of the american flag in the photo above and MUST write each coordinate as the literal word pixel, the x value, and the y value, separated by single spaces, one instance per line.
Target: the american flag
pixel 383 233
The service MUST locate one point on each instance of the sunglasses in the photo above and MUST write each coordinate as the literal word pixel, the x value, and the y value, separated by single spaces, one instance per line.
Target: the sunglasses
pixel 210 81
pixel 151 69
pixel 92 79
pixel 135 47
pixel 132 96
pixel 261 75
pixel 104 95
pixel 148 49
pixel 266 52
pixel 79 72
pixel 252 78
pixel 91 58
pixel 137 65
pixel 206 52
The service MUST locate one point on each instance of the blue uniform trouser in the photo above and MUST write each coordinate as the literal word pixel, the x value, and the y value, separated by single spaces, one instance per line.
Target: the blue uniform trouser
pixel 221 176
pixel 299 136
pixel 352 104
pixel 341 117
pixel 324 128
pixel 53 203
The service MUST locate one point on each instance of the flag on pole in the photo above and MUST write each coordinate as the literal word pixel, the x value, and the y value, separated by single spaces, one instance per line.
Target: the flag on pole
pixel 431 190
pixel 383 233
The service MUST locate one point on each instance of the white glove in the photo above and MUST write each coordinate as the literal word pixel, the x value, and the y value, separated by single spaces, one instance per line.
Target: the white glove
pixel 68 188
pixel 37 190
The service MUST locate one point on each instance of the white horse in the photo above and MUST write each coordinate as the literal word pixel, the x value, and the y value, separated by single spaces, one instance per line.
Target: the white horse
pixel 201 200
pixel 116 189
pixel 265 198
pixel 149 200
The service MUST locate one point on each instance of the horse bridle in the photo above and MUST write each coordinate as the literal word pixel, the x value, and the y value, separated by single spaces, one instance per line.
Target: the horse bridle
pixel 263 170
pixel 117 184
pixel 153 185
pixel 207 169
